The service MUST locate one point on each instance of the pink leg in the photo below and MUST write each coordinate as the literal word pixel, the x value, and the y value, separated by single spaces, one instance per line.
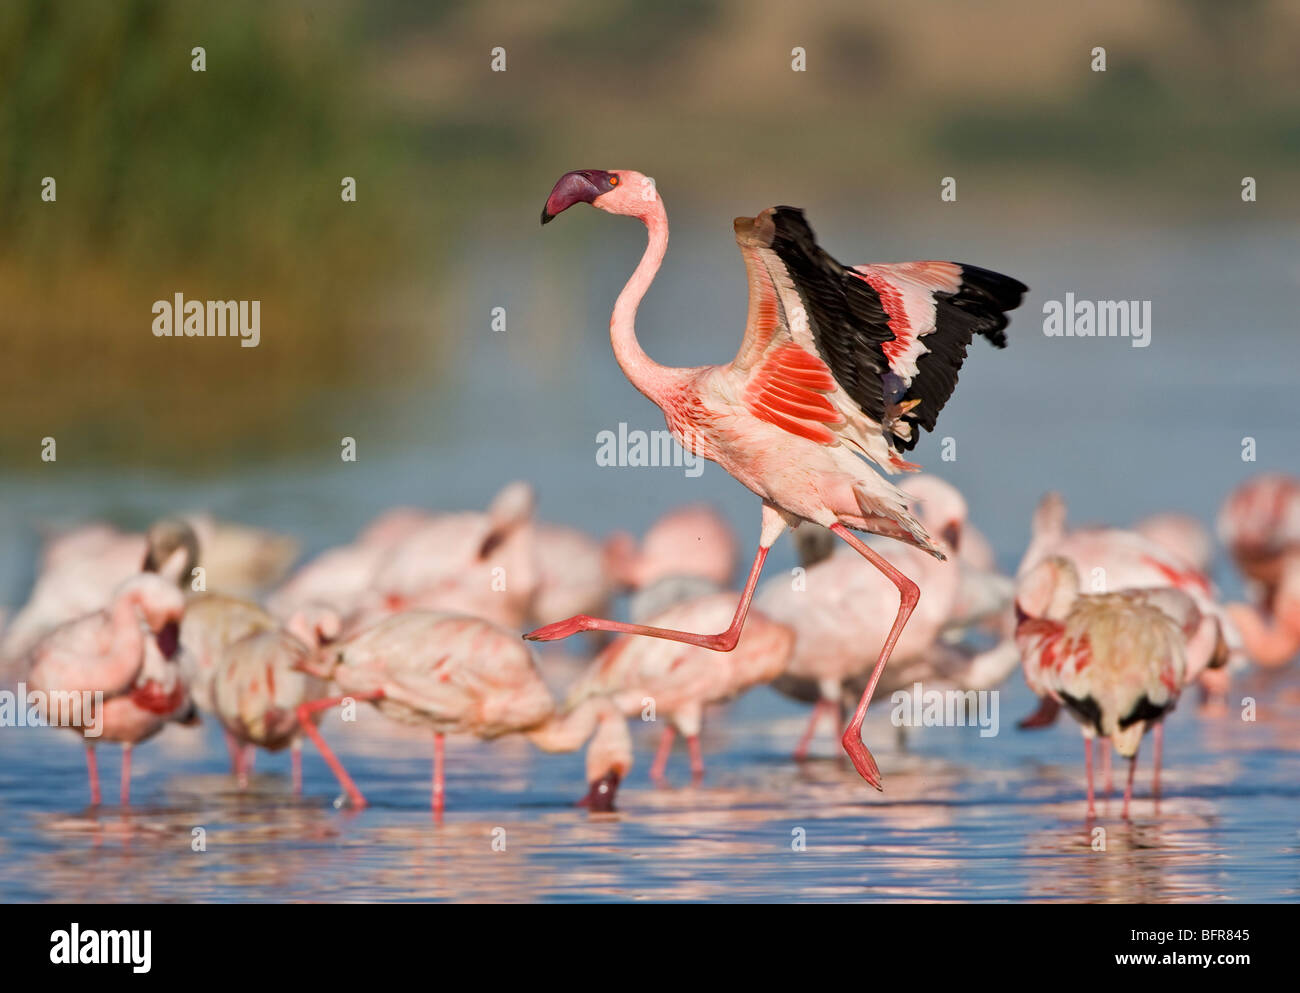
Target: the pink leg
pixel 1128 787
pixel 438 784
pixel 92 766
pixel 697 759
pixel 126 775
pixel 723 642
pixel 801 749
pixel 1105 766
pixel 1087 765
pixel 661 756
pixel 908 595
pixel 1160 747
pixel 305 711
pixel 295 758
pixel 232 746
pixel 243 764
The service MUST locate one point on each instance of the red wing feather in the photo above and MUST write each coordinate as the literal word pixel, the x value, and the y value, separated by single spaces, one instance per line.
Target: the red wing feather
pixel 789 390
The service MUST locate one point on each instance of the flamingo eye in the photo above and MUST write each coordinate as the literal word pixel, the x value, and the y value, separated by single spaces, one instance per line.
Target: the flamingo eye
pixel 613 180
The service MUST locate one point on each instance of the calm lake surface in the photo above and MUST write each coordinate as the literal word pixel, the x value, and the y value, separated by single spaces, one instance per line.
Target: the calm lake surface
pixel 1122 431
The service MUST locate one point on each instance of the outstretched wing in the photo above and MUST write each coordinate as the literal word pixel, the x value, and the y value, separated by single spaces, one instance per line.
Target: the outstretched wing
pixel 832 352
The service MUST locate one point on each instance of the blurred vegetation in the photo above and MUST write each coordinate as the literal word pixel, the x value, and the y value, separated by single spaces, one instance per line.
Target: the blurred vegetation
pixel 225 184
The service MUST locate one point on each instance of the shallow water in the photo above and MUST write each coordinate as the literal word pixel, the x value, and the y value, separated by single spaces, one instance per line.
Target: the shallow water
pixel 962 818
pixel 1123 431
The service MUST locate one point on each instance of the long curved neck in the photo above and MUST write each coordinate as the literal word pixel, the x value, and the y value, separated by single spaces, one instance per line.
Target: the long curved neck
pixel 645 373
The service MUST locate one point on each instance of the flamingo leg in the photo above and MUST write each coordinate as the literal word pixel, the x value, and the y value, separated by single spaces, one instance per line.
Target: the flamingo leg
pixel 1043 717
pixel 232 746
pixel 1105 766
pixel 661 756
pixel 305 710
pixel 1160 747
pixel 773 525
pixel 92 767
pixel 801 749
pixel 439 788
pixel 697 758
pixel 295 759
pixel 1087 765
pixel 126 775
pixel 1128 787
pixel 908 595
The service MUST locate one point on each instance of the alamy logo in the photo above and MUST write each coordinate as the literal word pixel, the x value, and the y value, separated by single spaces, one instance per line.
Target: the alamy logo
pixel 24 708
pixel 77 947
pixel 645 448
pixel 1098 319
pixel 181 318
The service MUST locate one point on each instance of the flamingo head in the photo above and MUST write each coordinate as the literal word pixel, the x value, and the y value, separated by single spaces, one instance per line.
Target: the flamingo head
pixel 940 506
pixel 620 191
pixel 161 606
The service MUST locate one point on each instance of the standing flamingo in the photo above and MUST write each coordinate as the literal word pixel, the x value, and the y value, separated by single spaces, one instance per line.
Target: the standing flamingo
pixel 257 690
pixel 1116 661
pixel 1112 560
pixel 126 652
pixel 458 674
pixel 82 569
pixel 682 679
pixel 836 363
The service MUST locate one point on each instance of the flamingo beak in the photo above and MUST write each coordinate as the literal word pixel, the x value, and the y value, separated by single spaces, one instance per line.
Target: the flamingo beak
pixel 600 797
pixel 580 186
pixel 951 534
pixel 168 639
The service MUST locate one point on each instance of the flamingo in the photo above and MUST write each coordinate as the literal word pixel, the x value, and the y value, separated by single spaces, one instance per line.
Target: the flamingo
pixel 257 690
pixel 682 679
pixel 1116 661
pixel 1112 560
pixel 479 563
pixel 82 569
pixel 836 363
pixel 126 652
pixel 1260 525
pixel 1181 534
pixel 458 674
pixel 213 626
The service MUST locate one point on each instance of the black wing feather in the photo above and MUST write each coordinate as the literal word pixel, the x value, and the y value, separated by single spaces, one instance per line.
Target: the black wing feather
pixel 849 324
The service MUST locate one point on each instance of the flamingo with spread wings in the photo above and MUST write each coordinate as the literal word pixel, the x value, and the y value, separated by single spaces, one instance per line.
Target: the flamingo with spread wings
pixel 838 364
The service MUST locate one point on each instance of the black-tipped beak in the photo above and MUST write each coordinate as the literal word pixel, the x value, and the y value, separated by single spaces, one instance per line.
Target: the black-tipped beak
pixel 600 797
pixel 169 639
pixel 952 535
pixel 579 186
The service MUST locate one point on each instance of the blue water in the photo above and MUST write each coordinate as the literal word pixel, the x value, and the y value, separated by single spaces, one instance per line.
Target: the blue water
pixel 1122 431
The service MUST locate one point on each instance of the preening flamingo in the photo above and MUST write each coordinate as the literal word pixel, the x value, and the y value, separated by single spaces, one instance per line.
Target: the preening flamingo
pixel 837 362
pixel 127 653
pixel 257 690
pixel 213 627
pixel 457 674
pixel 1111 560
pixel 1116 661
pixel 682 679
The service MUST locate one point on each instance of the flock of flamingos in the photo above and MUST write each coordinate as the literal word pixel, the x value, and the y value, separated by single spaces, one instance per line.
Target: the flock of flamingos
pixel 840 368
